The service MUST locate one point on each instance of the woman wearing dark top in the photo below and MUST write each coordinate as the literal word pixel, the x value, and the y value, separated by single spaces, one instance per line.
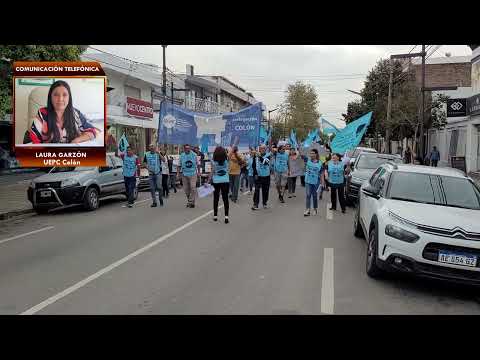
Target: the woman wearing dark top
pixel 60 122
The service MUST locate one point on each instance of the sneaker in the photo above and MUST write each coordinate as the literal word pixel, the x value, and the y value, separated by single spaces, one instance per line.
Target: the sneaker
pixel 306 213
pixel 315 212
pixel 266 207
pixel 226 220
pixel 161 202
pixel 130 205
pixel 294 195
pixel 289 196
pixel 332 209
pixel 192 206
pixel 215 218
pixel 153 205
pixel 254 207
pixel 282 200
pixel 343 211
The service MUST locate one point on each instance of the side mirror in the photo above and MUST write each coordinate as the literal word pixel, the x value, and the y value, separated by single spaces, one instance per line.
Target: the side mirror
pixel 371 191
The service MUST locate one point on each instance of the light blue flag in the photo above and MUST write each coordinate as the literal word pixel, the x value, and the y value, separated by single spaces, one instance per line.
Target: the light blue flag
pixel 269 137
pixel 350 136
pixel 328 128
pixel 263 135
pixel 122 145
pixel 309 140
pixel 293 139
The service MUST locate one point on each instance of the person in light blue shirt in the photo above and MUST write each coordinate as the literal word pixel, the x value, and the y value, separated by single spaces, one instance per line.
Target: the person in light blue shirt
pixel 188 165
pixel 221 181
pixel 131 166
pixel 335 174
pixel 154 165
pixel 312 179
pixel 281 171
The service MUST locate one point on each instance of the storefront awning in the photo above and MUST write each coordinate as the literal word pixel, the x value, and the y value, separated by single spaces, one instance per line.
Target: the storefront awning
pixel 133 121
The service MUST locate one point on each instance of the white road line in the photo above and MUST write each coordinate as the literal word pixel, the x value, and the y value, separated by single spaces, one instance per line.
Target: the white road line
pixel 327 282
pixel 329 212
pixel 110 267
pixel 26 234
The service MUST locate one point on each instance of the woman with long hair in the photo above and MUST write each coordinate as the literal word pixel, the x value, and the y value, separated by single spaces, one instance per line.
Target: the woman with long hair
pixel 60 122
pixel 221 181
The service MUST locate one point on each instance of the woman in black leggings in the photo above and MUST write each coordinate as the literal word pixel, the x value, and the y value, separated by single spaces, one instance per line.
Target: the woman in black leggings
pixel 221 181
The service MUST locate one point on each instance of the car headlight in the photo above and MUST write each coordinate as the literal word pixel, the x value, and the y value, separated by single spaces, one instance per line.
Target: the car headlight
pixel 69 182
pixel 401 234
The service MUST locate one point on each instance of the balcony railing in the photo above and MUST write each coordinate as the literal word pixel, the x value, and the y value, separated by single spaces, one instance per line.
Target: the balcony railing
pixel 201 105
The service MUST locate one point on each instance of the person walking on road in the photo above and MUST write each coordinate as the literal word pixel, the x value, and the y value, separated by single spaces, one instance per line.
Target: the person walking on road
pixel 312 180
pixel 172 168
pixel 296 168
pixel 236 161
pixel 165 174
pixel 221 182
pixel 281 172
pixel 188 166
pixel 154 163
pixel 261 172
pixel 335 175
pixel 251 178
pixel 434 157
pixel 131 167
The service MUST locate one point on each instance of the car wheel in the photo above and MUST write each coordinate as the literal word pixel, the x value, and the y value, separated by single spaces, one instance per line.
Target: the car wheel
pixel 91 200
pixel 357 226
pixel 41 211
pixel 372 252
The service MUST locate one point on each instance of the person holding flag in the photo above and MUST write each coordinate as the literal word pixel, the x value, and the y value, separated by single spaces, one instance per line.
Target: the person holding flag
pixel 281 169
pixel 261 172
pixel 154 163
pixel 131 167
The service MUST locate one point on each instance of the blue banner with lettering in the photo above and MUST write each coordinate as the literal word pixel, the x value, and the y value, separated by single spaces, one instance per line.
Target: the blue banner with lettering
pixel 181 126
pixel 349 137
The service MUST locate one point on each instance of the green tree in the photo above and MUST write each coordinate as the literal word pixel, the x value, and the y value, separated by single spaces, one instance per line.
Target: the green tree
pixel 300 109
pixel 11 53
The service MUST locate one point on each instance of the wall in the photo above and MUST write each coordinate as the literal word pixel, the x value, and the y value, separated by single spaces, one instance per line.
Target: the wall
pixel 455 74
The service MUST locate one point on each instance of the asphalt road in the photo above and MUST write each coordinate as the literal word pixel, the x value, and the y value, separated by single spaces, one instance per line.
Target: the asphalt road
pixel 174 260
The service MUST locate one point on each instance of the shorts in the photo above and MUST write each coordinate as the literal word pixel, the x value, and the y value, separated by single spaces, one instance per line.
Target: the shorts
pixel 281 179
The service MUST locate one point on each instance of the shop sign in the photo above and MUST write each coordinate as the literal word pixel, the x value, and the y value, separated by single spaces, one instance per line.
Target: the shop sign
pixel 139 108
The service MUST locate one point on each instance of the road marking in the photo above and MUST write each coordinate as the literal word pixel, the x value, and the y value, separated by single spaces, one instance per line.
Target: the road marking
pixel 329 212
pixel 110 267
pixel 26 234
pixel 327 282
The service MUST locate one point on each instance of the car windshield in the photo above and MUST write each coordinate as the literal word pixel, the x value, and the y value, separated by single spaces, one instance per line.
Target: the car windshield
pixel 373 162
pixel 434 189
pixel 68 169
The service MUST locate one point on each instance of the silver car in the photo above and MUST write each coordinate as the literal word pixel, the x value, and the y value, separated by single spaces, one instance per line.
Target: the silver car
pixel 65 187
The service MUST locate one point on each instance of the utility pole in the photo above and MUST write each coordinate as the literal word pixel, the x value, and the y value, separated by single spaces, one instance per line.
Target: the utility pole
pixel 389 108
pixel 422 121
pixel 164 85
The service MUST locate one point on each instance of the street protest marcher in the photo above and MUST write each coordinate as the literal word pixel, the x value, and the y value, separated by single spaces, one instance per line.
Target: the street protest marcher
pixel 172 168
pixel 220 178
pixel 188 166
pixel 236 161
pixel 251 178
pixel 281 172
pixel 296 168
pixel 165 174
pixel 154 163
pixel 323 182
pixel 131 167
pixel 335 175
pixel 434 157
pixel 261 172
pixel 312 180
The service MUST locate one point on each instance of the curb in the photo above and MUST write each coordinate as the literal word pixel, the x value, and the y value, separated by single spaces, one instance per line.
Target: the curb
pixel 9 214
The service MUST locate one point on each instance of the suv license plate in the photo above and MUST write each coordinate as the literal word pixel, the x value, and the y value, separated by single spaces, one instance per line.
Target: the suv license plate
pixel 45 194
pixel 457 259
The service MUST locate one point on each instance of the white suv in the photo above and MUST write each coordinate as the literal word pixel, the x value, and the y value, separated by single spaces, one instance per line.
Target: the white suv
pixel 421 220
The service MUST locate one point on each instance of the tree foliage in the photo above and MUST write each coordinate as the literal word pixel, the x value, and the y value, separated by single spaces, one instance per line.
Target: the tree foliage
pixel 300 109
pixel 11 53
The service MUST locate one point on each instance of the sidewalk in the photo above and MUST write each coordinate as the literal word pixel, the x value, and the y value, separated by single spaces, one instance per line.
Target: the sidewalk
pixel 13 195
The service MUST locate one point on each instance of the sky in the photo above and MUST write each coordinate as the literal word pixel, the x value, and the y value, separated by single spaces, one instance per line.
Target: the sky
pixel 267 70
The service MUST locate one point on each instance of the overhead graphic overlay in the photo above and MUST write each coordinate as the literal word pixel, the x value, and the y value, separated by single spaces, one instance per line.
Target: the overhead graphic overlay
pixel 60 113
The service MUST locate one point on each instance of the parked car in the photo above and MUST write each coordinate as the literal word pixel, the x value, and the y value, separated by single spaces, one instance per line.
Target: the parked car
pixel 354 154
pixel 421 220
pixel 362 169
pixel 65 187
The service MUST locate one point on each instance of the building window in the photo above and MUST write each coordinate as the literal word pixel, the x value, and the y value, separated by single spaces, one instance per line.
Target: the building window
pixel 133 92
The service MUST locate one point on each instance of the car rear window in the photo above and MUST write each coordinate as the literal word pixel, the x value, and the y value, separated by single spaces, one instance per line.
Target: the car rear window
pixel 373 162
pixel 434 189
